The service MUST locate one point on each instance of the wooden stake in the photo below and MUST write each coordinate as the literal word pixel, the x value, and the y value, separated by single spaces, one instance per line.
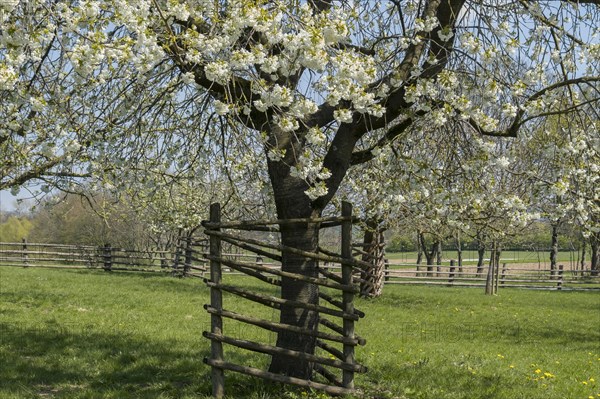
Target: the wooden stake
pixel 347 297
pixel 216 301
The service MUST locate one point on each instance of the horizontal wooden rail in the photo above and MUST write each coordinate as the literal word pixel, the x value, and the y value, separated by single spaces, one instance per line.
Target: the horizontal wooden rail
pixel 295 276
pixel 338 304
pixel 277 327
pixel 330 349
pixel 334 390
pixel 255 250
pixel 43 266
pixel 329 376
pixel 281 222
pixel 36 259
pixel 283 248
pixel 268 299
pixel 38 244
pixel 274 350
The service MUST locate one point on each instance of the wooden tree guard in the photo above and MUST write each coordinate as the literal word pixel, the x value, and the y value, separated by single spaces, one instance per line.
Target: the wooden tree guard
pixel 343 360
pixel 373 252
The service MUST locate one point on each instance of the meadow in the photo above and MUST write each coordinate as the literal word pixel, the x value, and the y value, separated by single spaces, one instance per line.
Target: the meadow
pixel 535 258
pixel 92 334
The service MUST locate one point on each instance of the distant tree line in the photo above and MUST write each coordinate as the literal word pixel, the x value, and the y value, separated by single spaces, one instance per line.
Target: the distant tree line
pixel 93 220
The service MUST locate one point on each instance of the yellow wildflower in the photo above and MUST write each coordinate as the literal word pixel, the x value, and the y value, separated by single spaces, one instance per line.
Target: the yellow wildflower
pixel 537 371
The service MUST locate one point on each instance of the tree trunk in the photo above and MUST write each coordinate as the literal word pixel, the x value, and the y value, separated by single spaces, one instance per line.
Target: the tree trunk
pixel 429 255
pixel 583 250
pixel 459 253
pixel 595 255
pixel 419 253
pixel 480 254
pixel 554 250
pixel 438 261
pixel 292 202
pixel 489 282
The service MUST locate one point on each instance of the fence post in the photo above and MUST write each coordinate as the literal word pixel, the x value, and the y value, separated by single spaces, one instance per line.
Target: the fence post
pixel 348 297
pixel 451 274
pixel 497 266
pixel 107 256
pixel 188 256
pixel 503 276
pixel 560 277
pixel 216 302
pixel 386 269
pixel 25 255
pixel 176 257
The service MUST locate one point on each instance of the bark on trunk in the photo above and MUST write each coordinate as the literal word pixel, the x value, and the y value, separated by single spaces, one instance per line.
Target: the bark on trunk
pixel 459 254
pixel 306 238
pixel 489 282
pixel 480 255
pixel 419 252
pixel 595 255
pixel 438 261
pixel 554 250
pixel 583 250
pixel 429 255
pixel 291 202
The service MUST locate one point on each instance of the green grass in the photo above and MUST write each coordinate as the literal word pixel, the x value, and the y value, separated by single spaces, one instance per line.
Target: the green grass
pixel 90 334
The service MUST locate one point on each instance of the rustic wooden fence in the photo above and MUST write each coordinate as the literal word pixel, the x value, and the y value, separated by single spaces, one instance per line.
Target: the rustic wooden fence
pixel 337 290
pixel 186 261
pixel 504 276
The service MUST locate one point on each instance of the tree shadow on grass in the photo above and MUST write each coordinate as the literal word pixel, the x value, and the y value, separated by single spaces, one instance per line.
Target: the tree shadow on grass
pixel 61 363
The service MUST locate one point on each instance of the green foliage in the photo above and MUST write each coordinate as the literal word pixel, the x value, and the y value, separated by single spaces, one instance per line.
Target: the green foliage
pixel 401 243
pixel 101 335
pixel 15 228
pixel 536 236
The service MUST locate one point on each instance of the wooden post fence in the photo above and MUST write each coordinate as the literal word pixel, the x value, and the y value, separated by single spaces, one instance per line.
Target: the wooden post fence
pixel 107 257
pixel 25 255
pixel 386 269
pixel 188 256
pixel 347 297
pixel 560 277
pixel 451 274
pixel 216 302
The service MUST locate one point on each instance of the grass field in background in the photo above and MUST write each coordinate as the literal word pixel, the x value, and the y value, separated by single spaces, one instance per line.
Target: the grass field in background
pixel 91 334
pixel 470 257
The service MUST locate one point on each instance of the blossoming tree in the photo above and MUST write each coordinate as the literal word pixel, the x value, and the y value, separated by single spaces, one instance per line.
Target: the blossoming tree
pixel 108 88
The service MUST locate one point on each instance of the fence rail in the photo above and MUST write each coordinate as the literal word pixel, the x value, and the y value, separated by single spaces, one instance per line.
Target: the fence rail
pixel 189 259
pixel 508 276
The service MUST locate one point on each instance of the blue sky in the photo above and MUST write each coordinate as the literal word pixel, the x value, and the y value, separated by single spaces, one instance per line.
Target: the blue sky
pixel 7 201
